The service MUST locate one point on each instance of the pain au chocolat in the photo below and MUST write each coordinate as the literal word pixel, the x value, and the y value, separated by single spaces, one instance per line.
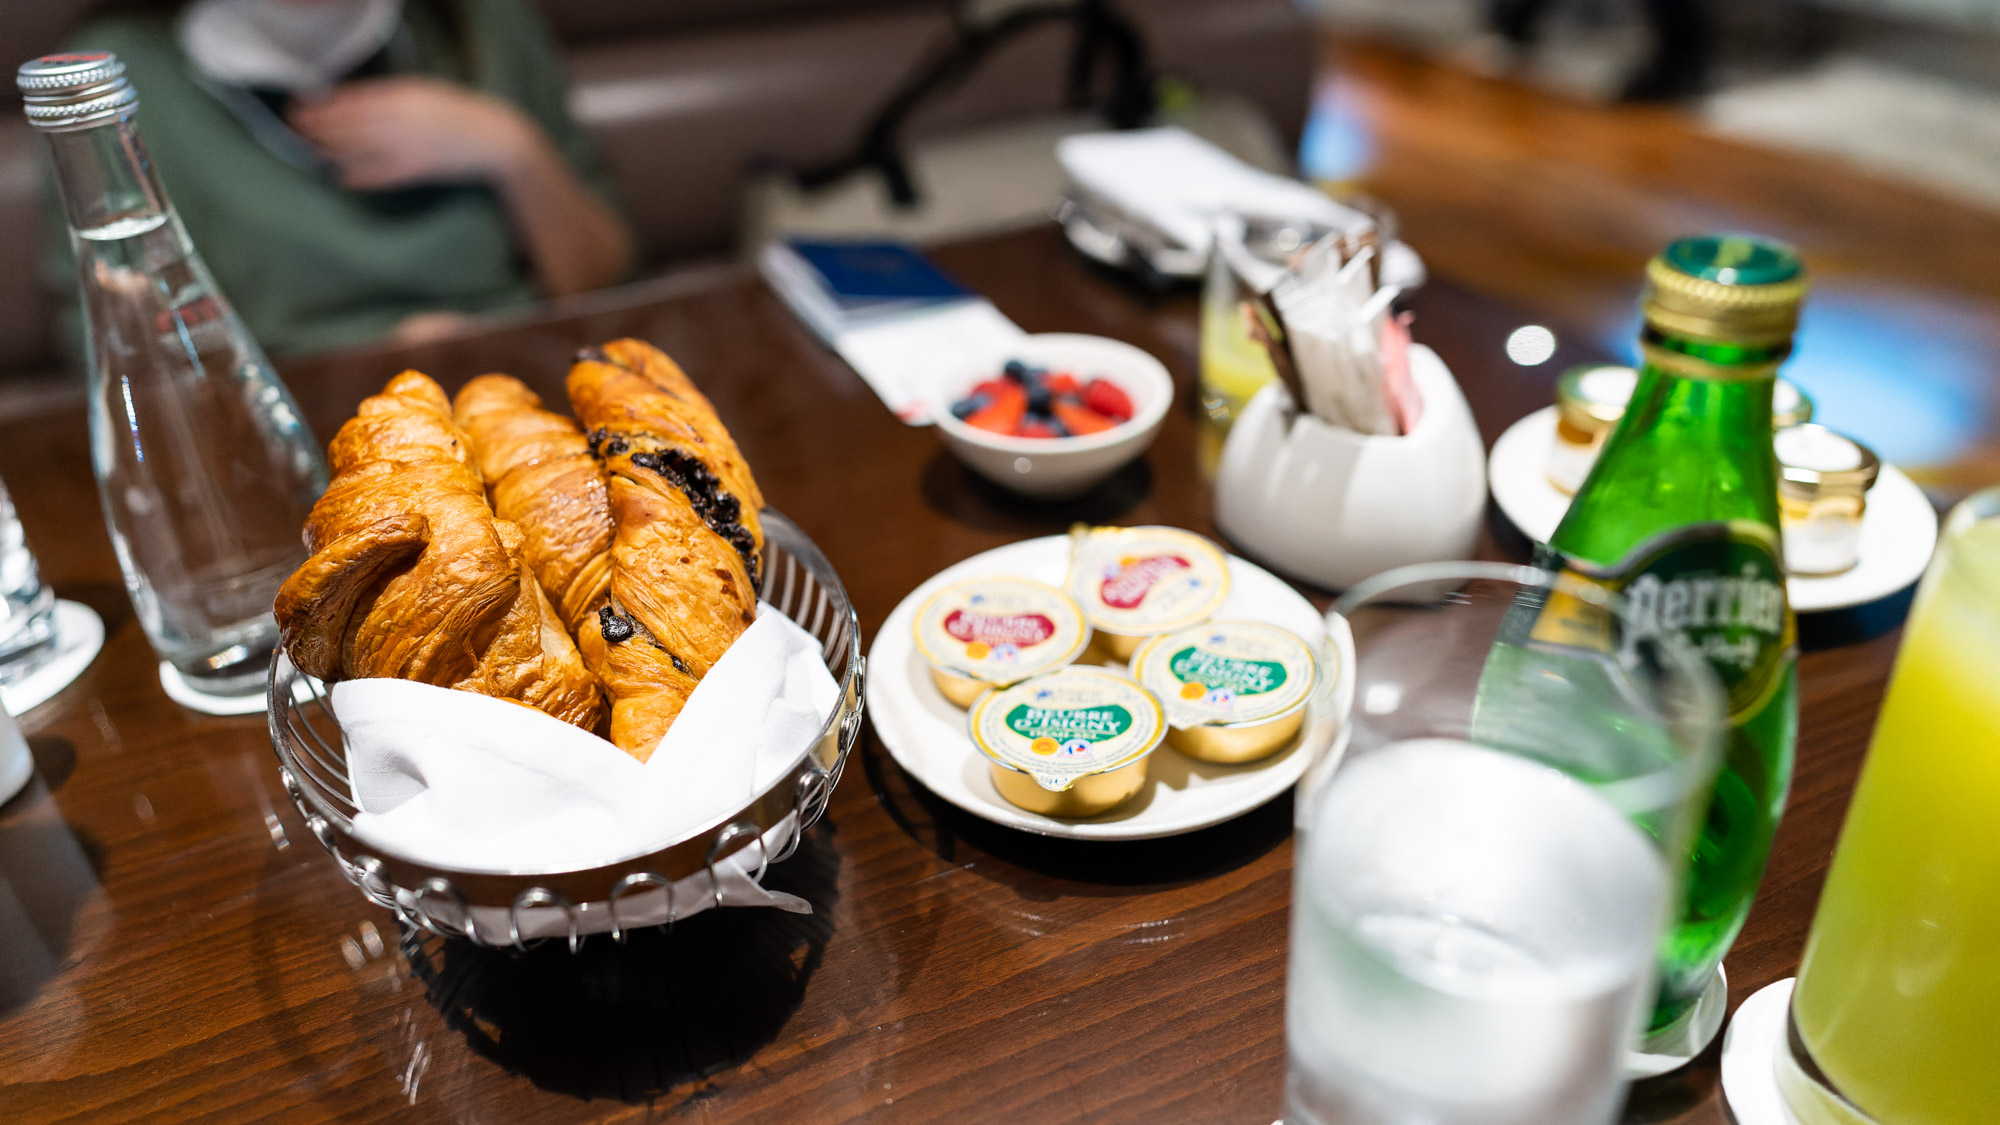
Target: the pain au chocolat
pixel 687 544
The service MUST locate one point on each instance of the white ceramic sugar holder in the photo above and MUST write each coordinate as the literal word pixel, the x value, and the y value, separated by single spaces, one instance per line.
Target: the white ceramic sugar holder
pixel 1333 506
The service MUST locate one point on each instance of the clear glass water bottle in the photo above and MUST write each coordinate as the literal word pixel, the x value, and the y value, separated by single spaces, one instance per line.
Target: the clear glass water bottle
pixel 27 608
pixel 205 468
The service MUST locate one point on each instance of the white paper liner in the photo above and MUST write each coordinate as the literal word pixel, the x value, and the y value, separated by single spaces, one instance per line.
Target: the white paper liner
pixel 465 782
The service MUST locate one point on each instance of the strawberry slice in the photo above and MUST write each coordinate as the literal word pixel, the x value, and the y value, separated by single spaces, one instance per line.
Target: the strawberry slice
pixel 1103 396
pixel 1003 411
pixel 1063 383
pixel 1080 419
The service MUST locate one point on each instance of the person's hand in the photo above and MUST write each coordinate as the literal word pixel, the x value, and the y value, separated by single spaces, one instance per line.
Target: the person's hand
pixel 429 327
pixel 394 132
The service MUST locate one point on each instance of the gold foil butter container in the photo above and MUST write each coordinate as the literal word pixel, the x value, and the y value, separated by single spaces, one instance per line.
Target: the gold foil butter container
pixel 985 633
pixel 1139 582
pixel 1233 691
pixel 1073 743
pixel 1823 483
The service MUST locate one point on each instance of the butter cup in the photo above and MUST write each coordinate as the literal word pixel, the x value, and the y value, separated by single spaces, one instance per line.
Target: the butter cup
pixel 1073 743
pixel 1138 582
pixel 987 633
pixel 961 690
pixel 1119 646
pixel 1235 743
pixel 1088 796
pixel 1233 691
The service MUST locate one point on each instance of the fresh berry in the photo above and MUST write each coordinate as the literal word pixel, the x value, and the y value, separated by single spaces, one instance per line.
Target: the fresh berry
pixel 1063 383
pixel 966 407
pixel 1039 428
pixel 1081 419
pixel 1015 370
pixel 1038 398
pixel 1103 396
pixel 1001 415
pixel 991 387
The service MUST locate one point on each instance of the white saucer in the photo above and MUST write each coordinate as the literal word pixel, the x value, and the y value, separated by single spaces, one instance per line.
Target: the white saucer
pixel 926 734
pixel 187 695
pixel 1750 1057
pixel 1898 532
pixel 79 635
pixel 1676 1046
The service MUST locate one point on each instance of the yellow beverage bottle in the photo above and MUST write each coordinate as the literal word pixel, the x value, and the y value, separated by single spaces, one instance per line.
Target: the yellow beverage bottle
pixel 1897 1007
pixel 1234 367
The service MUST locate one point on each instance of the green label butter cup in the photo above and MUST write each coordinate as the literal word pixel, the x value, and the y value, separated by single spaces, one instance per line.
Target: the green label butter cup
pixel 1139 582
pixel 1233 691
pixel 992 632
pixel 1072 743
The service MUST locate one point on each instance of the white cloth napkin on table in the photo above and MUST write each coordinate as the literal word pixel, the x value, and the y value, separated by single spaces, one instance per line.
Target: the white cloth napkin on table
pixel 474 783
pixel 1178 183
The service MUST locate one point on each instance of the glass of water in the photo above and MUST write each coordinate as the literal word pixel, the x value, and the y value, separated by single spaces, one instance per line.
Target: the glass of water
pixel 27 608
pixel 1488 858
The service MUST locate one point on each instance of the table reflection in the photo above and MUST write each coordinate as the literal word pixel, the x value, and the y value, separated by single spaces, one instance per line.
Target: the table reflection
pixel 631 1020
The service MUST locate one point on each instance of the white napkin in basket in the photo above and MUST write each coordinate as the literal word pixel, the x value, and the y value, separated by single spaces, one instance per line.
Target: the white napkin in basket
pixel 474 783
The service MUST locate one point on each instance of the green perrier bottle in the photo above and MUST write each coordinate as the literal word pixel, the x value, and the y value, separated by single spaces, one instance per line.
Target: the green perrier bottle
pixel 1680 513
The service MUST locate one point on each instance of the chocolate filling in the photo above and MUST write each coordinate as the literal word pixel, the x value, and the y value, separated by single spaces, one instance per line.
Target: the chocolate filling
pixel 722 512
pixel 603 444
pixel 616 629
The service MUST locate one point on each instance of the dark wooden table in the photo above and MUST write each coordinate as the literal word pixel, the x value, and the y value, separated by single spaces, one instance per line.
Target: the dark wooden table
pixel 177 947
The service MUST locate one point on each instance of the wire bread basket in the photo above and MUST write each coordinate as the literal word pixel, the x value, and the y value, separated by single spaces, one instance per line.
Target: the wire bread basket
pixel 499 909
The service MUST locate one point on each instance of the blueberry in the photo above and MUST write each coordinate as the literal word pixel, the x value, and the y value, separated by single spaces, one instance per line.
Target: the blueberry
pixel 1015 370
pixel 966 407
pixel 1060 429
pixel 1038 398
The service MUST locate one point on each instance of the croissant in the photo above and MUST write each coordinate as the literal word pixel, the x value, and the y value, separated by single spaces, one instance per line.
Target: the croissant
pixel 412 577
pixel 540 476
pixel 687 543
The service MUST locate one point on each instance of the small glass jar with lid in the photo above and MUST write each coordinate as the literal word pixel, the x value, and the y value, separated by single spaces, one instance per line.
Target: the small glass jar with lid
pixel 1823 483
pixel 1591 399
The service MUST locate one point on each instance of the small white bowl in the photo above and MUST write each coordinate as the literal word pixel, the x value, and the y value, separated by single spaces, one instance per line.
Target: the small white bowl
pixel 1064 467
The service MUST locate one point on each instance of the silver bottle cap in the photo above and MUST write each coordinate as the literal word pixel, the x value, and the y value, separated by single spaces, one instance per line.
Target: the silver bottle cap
pixel 64 92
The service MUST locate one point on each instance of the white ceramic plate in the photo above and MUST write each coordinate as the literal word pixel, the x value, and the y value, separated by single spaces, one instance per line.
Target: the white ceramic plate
pixel 927 736
pixel 1898 532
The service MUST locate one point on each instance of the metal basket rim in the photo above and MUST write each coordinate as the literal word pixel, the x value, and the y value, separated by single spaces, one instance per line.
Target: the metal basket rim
pixel 795 542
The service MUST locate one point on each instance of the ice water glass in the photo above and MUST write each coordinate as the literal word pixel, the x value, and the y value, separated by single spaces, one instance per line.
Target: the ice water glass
pixel 27 608
pixel 1490 854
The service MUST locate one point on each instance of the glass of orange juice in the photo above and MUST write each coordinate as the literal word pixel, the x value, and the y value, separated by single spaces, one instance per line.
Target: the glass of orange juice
pixel 1896 1015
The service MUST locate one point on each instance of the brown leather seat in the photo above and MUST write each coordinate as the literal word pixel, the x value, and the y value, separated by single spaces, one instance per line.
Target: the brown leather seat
pixel 687 97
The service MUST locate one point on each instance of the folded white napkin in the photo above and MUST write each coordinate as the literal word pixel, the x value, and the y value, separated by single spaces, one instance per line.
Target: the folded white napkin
pixel 472 783
pixel 905 358
pixel 1178 183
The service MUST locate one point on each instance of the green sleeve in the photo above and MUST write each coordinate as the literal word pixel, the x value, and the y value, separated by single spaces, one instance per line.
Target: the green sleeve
pixel 514 57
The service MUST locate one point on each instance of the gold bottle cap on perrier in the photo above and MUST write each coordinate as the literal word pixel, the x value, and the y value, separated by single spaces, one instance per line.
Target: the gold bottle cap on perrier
pixel 1727 288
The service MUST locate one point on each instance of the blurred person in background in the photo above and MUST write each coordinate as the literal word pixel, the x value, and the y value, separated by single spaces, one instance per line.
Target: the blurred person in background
pixel 1683 38
pixel 363 169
